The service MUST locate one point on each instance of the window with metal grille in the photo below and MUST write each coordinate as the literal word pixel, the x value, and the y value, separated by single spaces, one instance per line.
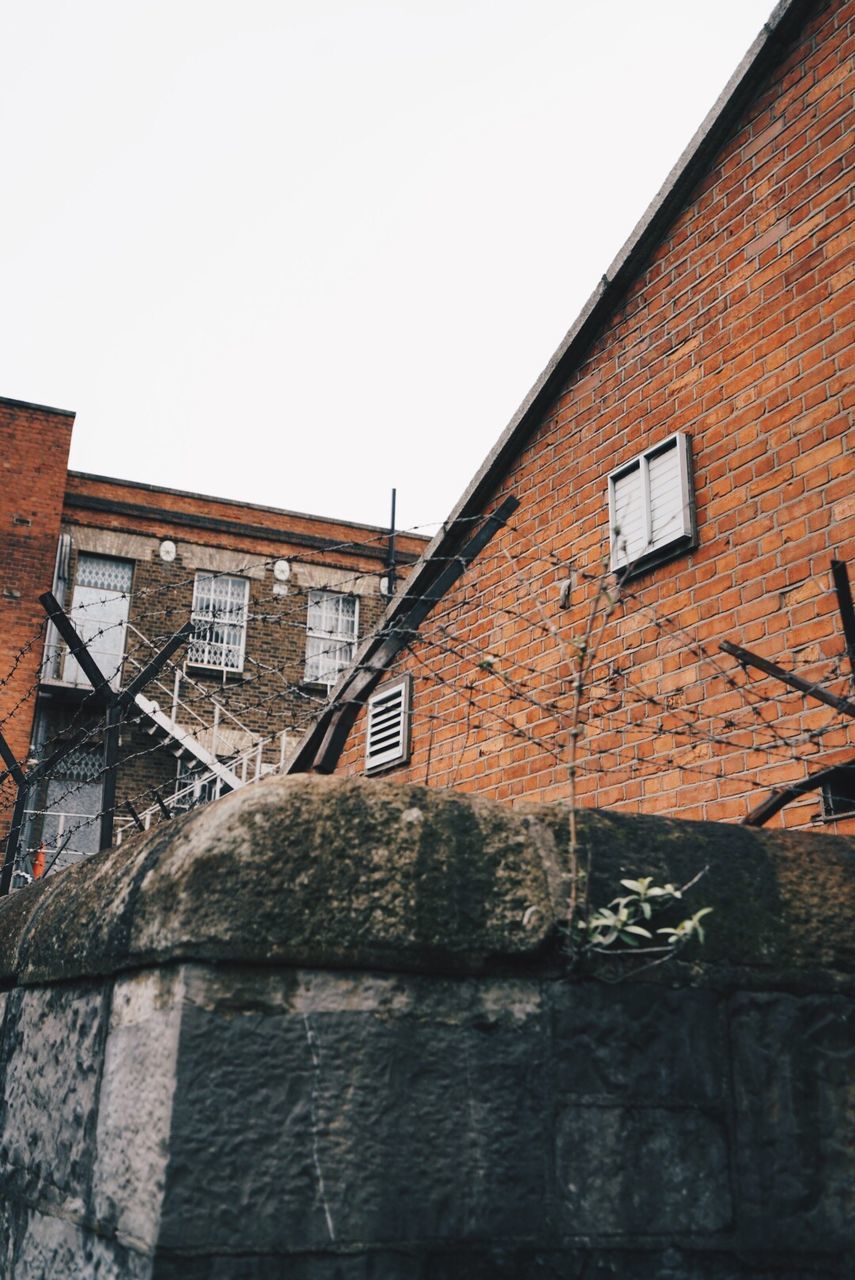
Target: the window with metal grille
pixel 219 622
pixel 838 795
pixel 99 611
pixel 332 627
pixel 104 573
pixel 387 738
pixel 651 510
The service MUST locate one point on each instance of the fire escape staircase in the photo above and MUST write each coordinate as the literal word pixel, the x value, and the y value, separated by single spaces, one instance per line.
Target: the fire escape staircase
pixel 176 738
pixel 217 751
pixel 220 752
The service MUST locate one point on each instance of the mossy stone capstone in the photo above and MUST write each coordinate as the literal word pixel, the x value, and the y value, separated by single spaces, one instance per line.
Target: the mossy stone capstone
pixel 356 873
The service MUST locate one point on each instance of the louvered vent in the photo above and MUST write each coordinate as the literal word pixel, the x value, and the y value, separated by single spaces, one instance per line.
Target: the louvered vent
pixel 387 740
pixel 651 511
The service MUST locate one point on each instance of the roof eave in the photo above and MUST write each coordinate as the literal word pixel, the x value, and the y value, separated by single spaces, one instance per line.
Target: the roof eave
pixel 762 56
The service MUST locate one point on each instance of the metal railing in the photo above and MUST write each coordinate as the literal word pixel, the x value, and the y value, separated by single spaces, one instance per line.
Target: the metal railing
pixel 201 788
pixel 176 702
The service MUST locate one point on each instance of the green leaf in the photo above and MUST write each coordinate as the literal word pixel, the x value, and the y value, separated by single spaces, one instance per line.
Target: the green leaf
pixel 637 886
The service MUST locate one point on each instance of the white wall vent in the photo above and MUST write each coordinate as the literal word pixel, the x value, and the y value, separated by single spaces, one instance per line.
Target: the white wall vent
pixel 387 738
pixel 651 506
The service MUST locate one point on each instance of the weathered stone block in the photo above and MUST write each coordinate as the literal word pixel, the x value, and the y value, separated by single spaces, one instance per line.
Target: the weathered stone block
pixel 44 1247
pixel 638 1043
pixel 642 1170
pixel 135 1105
pixel 348 1108
pixel 53 1051
pixel 368 1265
pixel 794 1088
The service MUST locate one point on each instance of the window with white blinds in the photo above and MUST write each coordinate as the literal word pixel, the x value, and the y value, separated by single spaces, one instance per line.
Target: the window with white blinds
pixel 219 621
pixel 332 628
pixel 387 737
pixel 650 505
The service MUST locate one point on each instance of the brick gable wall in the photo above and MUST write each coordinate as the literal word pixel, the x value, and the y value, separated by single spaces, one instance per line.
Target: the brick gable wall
pixel 738 332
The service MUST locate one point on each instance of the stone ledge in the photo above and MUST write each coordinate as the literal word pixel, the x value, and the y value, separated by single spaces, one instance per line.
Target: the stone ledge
pixel 343 873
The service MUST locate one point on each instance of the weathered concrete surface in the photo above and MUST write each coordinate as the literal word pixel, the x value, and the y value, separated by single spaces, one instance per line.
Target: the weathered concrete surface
pixel 351 873
pixel 135 1105
pixel 322 1030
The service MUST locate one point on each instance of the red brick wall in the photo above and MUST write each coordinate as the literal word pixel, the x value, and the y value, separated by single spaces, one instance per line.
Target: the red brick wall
pixel 738 332
pixel 281 523
pixel 34 445
pixel 270 695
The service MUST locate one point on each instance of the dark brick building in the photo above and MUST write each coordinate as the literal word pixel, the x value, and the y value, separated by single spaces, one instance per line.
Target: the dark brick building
pixel 691 438
pixel 278 599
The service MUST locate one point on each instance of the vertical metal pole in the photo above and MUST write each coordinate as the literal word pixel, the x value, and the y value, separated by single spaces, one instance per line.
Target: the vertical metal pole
pixel 111 760
pixel 176 685
pixel 390 575
pixel 840 578
pixel 13 839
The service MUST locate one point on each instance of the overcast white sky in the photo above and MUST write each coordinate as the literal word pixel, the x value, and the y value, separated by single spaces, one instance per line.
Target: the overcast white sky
pixel 299 251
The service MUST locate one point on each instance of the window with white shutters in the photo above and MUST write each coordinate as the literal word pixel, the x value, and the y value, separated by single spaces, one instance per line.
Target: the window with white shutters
pixel 219 622
pixel 651 510
pixel 387 738
pixel 332 628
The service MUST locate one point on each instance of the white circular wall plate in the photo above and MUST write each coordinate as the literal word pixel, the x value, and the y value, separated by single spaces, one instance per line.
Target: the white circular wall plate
pixel 281 570
pixel 167 551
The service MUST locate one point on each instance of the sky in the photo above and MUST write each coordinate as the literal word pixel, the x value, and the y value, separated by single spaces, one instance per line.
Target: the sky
pixel 300 252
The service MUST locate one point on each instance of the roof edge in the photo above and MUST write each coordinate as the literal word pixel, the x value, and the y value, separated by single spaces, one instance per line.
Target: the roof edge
pixel 38 408
pixel 236 502
pixel 664 208
pixel 761 56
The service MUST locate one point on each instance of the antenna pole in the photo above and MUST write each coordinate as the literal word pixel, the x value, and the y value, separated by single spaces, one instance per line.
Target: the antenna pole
pixel 391 575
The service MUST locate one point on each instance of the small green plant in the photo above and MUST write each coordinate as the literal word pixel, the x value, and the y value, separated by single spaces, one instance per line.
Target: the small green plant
pixel 626 923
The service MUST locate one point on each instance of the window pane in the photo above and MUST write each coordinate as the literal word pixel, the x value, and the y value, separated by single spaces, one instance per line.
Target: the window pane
pixel 100 571
pixel 332 628
pixel 219 619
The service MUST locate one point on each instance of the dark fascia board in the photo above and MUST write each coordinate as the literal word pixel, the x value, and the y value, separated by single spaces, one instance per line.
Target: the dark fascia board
pixel 37 408
pixel 237 527
pixel 763 55
pixel 234 502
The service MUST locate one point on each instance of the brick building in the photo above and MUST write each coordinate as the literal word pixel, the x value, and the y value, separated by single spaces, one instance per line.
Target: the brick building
pixel 683 474
pixel 278 601
pixel 34 444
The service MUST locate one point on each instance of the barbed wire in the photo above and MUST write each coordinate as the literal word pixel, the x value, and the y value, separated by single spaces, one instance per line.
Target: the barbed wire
pixel 253 563
pixel 493 687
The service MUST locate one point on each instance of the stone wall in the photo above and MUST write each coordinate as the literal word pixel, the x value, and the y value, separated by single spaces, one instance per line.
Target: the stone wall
pixel 325 1029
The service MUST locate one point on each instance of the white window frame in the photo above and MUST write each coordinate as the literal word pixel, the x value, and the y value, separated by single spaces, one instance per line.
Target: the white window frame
pixel 100 616
pixel 313 670
pixel 205 619
pixel 684 534
pixel 398 752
